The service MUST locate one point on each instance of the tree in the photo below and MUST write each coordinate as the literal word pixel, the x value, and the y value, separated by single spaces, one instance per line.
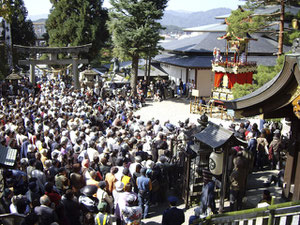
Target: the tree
pixel 135 30
pixel 241 23
pixel 257 3
pixel 21 28
pixel 77 22
pixel 264 74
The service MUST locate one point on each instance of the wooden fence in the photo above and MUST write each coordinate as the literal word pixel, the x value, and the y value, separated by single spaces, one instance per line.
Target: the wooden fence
pixel 287 213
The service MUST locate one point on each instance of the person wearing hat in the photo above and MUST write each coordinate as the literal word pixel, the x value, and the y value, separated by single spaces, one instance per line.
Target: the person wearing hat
pixel 275 148
pixel 132 213
pixel 173 215
pixel 144 187
pixel 117 195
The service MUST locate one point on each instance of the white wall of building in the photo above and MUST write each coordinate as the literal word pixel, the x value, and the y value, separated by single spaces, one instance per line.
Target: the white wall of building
pixel 205 80
pixel 175 73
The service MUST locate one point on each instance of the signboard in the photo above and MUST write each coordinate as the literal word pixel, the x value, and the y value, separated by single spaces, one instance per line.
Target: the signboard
pixel 195 93
pixel 230 112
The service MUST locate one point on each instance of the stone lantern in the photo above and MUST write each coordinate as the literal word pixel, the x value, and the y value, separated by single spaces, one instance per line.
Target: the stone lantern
pixel 89 77
pixel 13 78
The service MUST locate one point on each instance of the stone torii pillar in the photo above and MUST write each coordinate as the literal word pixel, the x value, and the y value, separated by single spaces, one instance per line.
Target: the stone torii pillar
pixel 54 51
pixel 32 70
pixel 75 71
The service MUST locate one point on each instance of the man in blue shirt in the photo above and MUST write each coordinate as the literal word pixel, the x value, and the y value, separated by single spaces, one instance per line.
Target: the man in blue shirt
pixel 144 186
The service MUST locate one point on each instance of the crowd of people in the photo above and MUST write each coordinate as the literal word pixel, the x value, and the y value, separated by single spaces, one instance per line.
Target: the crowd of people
pixel 85 159
pixel 162 89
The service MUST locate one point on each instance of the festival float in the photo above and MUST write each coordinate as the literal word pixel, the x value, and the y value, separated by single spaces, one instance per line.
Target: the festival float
pixel 235 68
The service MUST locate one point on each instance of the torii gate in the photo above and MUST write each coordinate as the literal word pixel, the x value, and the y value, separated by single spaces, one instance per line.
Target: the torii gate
pixel 54 51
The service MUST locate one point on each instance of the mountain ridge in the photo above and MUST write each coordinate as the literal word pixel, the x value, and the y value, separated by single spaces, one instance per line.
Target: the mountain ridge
pixel 178 18
pixel 193 19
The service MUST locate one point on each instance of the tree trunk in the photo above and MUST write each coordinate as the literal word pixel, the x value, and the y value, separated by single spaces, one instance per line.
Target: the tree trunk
pixel 146 68
pixel 135 67
pixel 149 71
pixel 281 29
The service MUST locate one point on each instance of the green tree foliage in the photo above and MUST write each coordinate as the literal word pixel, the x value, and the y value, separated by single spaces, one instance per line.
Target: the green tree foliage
pixel 241 22
pixel 21 28
pixel 292 33
pixel 77 22
pixel 263 75
pixel 5 9
pixel 135 30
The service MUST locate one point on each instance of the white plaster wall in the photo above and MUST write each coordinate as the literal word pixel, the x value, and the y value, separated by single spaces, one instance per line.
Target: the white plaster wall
pixel 192 74
pixel 205 81
pixel 205 78
pixel 175 73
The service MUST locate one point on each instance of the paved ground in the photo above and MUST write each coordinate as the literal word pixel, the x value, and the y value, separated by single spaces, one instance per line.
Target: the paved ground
pixel 173 110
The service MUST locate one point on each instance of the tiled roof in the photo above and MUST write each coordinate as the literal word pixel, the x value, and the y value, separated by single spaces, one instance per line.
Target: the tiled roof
pixel 214 135
pixel 269 9
pixel 205 43
pixel 217 27
pixel 192 61
pixel 185 61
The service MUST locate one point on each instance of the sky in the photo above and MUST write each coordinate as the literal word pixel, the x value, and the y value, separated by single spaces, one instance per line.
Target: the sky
pixel 38 7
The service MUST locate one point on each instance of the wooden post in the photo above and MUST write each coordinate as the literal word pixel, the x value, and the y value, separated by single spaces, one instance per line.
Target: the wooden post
pixel 188 181
pixel 224 179
pixel 271 213
pixel 290 167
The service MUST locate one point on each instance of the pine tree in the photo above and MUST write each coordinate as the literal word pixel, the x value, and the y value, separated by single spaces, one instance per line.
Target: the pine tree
pixel 134 27
pixel 77 22
pixel 241 23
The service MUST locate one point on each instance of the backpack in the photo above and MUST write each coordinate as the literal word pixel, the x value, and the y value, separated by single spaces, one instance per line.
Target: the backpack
pixel 102 205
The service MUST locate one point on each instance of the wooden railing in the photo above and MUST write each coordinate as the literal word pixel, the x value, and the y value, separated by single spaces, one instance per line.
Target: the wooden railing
pixel 285 213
